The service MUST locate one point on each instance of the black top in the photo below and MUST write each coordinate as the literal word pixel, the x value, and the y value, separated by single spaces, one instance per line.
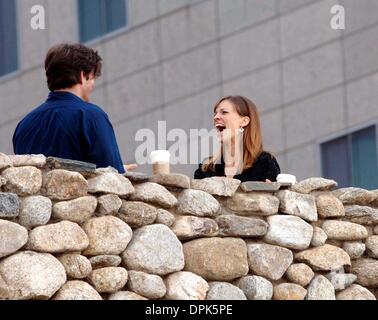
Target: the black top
pixel 265 167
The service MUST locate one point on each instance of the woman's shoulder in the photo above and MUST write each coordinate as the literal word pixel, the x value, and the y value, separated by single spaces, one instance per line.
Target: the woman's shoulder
pixel 265 156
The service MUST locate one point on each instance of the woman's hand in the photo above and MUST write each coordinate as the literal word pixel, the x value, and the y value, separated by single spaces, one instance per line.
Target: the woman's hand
pixel 130 167
pixel 267 180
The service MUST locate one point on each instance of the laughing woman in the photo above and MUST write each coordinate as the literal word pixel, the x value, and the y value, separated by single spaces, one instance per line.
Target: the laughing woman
pixel 241 155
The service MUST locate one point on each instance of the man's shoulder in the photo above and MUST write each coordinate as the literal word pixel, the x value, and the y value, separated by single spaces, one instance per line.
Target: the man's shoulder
pixel 93 110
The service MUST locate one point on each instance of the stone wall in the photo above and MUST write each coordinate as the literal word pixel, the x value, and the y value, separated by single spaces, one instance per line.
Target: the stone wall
pixel 70 231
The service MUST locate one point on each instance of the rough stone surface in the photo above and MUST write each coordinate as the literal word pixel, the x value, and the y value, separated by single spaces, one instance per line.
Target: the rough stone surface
pixel 324 258
pixel 354 249
pixel 269 261
pixel 4 289
pixel 146 285
pixel 289 291
pixel 9 205
pixel 372 246
pixel 70 165
pixel 250 186
pixel 244 227
pixel 320 288
pixel 108 204
pixel 342 230
pixel 24 181
pixel 224 291
pixel 329 206
pixel 165 217
pixel 114 183
pixel 197 203
pixel 125 295
pixel 355 292
pixel 35 211
pixel 216 259
pixel 64 185
pixel 361 214
pixel 154 193
pixel 76 265
pixel 366 271
pixel 77 290
pixel 312 184
pixel 319 237
pixel 185 286
pixel 78 210
pixel 137 214
pixel 188 227
pixel 137 177
pixel 289 231
pixel 108 280
pixel 32 275
pixel 3 182
pixel 175 180
pixel 5 162
pixel 154 249
pixel 103 242
pixel 24 160
pixel 340 281
pixel 218 186
pixel 12 237
pixel 297 204
pixel 300 273
pixel 354 196
pixel 59 237
pixel 255 287
pixel 103 261
pixel 254 203
pixel 376 230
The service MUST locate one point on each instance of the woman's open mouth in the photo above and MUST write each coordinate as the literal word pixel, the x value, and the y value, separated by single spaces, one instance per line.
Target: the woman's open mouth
pixel 220 127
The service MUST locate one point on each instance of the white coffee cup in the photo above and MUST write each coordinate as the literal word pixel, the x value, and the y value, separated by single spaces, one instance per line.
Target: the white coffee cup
pixel 160 161
pixel 286 178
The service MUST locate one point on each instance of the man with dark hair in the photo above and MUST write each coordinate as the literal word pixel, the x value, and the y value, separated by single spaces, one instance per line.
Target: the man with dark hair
pixel 67 125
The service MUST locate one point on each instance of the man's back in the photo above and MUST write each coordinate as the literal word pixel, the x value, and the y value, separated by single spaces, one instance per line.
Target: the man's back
pixel 65 126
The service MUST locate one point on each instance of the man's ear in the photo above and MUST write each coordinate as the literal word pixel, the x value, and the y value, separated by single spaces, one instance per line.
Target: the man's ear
pixel 82 77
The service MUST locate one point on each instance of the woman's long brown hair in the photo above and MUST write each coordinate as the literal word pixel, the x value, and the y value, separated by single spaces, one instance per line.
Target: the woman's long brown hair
pixel 252 140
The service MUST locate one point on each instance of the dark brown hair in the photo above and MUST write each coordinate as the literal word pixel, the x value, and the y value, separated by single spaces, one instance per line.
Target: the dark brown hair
pixel 65 62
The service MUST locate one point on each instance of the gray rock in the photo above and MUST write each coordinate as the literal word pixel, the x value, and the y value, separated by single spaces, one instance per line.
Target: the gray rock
pixel 188 227
pixel 4 289
pixel 319 237
pixel 165 217
pixel 24 181
pixel 361 214
pixel 372 246
pixel 76 265
pixel 9 205
pixel 269 261
pixel 78 210
pixel 104 261
pixel 244 227
pixel 64 185
pixel 320 288
pixel 103 242
pixel 354 196
pixel 366 271
pixel 325 258
pixel 376 230
pixel 289 231
pixel 3 182
pixel 250 186
pixel 137 214
pixel 154 249
pixel 35 211
pixel 70 165
pixel 24 160
pixel 354 249
pixel 329 206
pixel 340 281
pixel 154 193
pixel 300 273
pixel 108 280
pixel 313 184
pixel 224 291
pixel 355 292
pixel 5 161
pixel 125 295
pixel 77 290
pixel 297 204
pixel 12 237
pixel 108 204
pixel 56 238
pixel 185 286
pixel 197 203
pixel 146 285
pixel 218 186
pixel 289 291
pixel 216 259
pixel 175 180
pixel 255 287
pixel 114 183
pixel 254 203
pixel 137 177
pixel 342 230
pixel 32 275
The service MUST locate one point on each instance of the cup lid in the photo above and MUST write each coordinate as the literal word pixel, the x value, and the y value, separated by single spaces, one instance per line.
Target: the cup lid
pixel 160 155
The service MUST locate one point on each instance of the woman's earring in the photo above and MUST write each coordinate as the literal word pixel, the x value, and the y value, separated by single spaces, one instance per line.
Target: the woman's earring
pixel 241 130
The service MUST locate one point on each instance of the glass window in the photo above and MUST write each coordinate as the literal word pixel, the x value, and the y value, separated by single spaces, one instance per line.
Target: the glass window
pixel 99 17
pixel 8 37
pixel 352 160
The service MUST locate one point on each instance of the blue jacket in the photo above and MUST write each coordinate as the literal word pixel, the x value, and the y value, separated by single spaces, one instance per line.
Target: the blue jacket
pixel 67 127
